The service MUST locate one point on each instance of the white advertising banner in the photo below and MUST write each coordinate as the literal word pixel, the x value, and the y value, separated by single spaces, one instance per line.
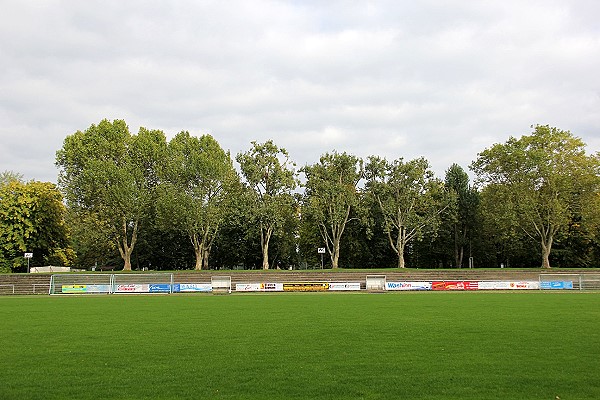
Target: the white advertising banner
pixel 408 286
pixel 132 288
pixel 259 287
pixel 509 285
pixel 354 286
pixel 194 287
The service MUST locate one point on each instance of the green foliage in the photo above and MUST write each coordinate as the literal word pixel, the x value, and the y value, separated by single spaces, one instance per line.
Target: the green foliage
pixel 330 197
pixel 198 182
pixel 107 172
pixel 32 220
pixel 462 213
pixel 410 198
pixel 539 183
pixel 270 176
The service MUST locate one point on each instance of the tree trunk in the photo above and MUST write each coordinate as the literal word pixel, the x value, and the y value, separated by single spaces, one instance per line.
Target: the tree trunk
pixel 127 259
pixel 545 256
pixel 401 259
pixel 124 248
pixel 335 256
pixel 205 259
pixel 197 251
pixel 265 236
pixel 546 248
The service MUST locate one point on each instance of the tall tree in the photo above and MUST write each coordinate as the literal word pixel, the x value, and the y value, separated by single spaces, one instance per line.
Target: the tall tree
pixel 410 198
pixel 464 210
pixel 270 175
pixel 331 195
pixel 32 220
pixel 198 177
pixel 541 182
pixel 108 172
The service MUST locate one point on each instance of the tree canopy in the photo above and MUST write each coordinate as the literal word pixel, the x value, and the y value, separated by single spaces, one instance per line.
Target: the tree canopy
pixel 540 183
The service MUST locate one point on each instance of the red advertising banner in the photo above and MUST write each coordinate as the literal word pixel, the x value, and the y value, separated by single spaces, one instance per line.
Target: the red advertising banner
pixel 455 285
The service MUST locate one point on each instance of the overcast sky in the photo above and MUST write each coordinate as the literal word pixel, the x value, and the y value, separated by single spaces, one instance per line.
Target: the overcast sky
pixel 439 79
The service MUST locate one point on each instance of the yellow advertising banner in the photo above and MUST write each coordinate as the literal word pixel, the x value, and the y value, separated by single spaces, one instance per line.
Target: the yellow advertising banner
pixel 306 287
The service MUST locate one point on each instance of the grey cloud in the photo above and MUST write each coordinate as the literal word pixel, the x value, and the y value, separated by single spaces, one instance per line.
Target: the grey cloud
pixel 442 80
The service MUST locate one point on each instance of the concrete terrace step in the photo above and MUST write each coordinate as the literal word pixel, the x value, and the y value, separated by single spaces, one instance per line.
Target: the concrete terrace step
pixel 40 283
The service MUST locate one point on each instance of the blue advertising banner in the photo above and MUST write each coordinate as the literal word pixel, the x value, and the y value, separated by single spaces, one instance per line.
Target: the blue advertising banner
pixel 556 285
pixel 160 288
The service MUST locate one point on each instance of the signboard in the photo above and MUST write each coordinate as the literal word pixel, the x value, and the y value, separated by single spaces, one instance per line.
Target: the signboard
pixel 132 288
pixel 192 287
pixel 160 288
pixel 455 285
pixel 341 286
pixel 556 285
pixel 74 288
pixel 321 250
pixel 408 286
pixel 259 287
pixel 28 255
pixel 305 287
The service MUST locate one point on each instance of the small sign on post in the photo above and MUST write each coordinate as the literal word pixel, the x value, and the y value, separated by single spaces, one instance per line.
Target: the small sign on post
pixel 321 251
pixel 28 256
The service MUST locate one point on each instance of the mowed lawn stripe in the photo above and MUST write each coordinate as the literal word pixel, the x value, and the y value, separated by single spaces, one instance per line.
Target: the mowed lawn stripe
pixel 329 346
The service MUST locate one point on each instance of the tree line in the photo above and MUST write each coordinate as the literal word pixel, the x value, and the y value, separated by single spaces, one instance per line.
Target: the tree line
pixel 137 201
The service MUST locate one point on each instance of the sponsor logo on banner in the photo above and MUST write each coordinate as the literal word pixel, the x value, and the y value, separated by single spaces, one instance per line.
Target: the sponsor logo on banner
pixel 556 285
pixel 192 287
pixel 408 286
pixel 344 286
pixel 74 288
pixel 455 285
pixel 271 287
pixel 98 288
pixel 132 288
pixel 247 287
pixel 259 287
pixel 306 287
pixel 160 288
pixel 525 285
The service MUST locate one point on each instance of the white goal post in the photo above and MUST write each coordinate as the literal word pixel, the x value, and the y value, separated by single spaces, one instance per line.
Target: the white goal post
pixel 113 283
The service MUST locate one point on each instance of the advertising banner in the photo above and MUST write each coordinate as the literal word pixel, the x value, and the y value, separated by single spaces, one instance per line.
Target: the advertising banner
pixel 306 287
pixel 524 285
pixel 509 285
pixel 192 287
pixel 271 287
pixel 132 288
pixel 74 288
pixel 247 287
pixel 340 286
pixel 259 287
pixel 160 288
pixel 494 285
pixel 408 286
pixel 455 285
pixel 98 288
pixel 557 285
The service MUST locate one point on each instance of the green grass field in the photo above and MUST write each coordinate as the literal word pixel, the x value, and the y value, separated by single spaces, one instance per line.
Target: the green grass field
pixel 302 346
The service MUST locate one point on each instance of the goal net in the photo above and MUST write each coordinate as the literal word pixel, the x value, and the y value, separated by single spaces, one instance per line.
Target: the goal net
pixel 113 283
pixel 143 283
pixel 559 281
pixel 80 284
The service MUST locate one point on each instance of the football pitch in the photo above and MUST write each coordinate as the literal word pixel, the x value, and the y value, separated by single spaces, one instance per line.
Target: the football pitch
pixel 534 345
